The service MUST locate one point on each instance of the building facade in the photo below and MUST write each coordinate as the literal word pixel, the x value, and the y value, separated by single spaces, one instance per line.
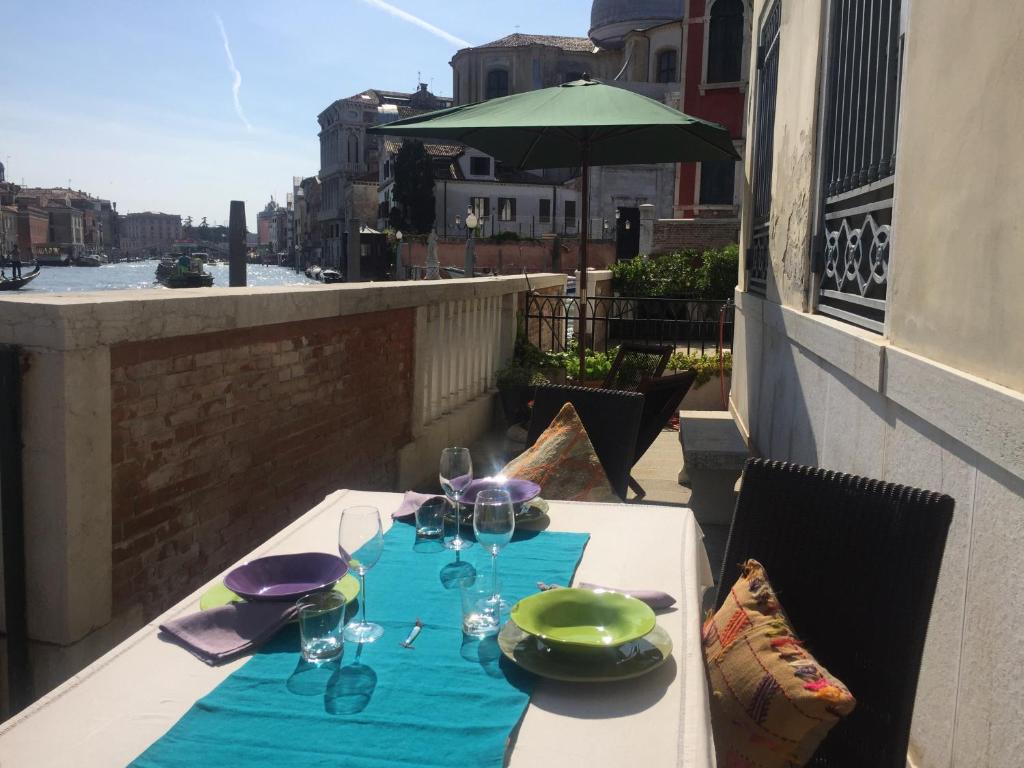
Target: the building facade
pixel 66 228
pixel 307 221
pixel 33 229
pixel 8 229
pixel 348 156
pixel 878 311
pixel 149 233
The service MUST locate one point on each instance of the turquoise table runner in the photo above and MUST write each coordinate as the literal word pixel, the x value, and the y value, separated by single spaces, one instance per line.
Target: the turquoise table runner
pixel 448 702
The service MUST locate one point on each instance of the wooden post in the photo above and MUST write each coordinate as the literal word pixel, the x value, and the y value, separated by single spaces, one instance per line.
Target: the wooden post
pixel 236 245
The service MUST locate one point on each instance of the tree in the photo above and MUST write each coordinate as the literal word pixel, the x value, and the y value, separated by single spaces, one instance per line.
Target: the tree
pixel 414 186
pixel 188 222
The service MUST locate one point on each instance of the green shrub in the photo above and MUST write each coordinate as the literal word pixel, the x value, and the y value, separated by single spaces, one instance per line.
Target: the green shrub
pixel 706 366
pixel 683 274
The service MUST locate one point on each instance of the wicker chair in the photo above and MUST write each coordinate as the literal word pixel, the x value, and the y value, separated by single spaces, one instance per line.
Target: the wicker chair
pixel 637 363
pixel 855 563
pixel 611 419
pixel 662 397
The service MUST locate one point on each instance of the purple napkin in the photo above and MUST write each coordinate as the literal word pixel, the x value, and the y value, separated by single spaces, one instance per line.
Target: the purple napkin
pixel 224 633
pixel 657 600
pixel 411 502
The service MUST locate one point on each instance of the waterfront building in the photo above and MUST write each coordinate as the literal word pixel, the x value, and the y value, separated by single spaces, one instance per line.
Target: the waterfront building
pixel 33 229
pixel 66 230
pixel 349 158
pixel 307 221
pixel 8 229
pixel 272 226
pixel 503 200
pixel 153 233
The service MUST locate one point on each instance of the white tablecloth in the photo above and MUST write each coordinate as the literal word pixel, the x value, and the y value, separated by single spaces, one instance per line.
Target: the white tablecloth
pixel 112 710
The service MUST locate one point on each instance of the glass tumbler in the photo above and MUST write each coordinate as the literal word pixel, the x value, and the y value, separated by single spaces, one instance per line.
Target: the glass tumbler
pixel 320 626
pixel 481 614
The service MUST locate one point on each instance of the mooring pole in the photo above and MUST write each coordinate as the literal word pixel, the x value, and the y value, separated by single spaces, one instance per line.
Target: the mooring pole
pixel 236 245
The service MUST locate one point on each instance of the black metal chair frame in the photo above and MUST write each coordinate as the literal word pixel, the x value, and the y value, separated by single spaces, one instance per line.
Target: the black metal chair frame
pixel 658 353
pixel 611 418
pixel 854 563
pixel 662 397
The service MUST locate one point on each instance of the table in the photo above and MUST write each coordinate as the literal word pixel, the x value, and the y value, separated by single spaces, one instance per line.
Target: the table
pixel 113 709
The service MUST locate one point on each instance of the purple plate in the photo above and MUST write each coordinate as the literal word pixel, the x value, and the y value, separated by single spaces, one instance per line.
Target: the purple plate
pixel 521 491
pixel 285 577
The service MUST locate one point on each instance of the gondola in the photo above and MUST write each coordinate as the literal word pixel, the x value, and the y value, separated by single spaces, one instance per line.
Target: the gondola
pixel 13 284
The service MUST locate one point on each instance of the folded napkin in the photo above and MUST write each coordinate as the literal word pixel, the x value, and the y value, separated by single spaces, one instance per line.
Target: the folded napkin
pixel 658 601
pixel 224 633
pixel 411 502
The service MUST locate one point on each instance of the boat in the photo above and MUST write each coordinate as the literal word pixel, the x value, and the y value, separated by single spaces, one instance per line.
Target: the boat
pixel 313 272
pixel 88 261
pixel 173 274
pixel 13 284
pixel 330 276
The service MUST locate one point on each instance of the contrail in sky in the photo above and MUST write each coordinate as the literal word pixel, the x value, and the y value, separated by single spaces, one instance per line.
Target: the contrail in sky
pixel 236 86
pixel 406 16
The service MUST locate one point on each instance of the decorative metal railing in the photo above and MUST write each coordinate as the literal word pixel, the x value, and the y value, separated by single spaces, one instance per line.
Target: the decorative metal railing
pixel 690 324
pixel 861 97
pixel 758 257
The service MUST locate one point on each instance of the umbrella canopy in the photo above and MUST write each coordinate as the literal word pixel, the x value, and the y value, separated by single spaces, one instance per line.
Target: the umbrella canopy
pixel 578 124
pixel 584 122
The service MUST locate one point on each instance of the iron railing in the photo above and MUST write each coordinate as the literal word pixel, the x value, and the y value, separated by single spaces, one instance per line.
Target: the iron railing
pixel 758 256
pixel 862 88
pixel 550 322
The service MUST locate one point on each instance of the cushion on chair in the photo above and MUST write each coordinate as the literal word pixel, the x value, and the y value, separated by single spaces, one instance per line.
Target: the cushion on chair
pixel 771 702
pixel 563 462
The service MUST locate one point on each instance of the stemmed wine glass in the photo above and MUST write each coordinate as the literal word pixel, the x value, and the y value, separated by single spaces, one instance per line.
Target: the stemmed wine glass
pixel 456 473
pixel 494 522
pixel 360 530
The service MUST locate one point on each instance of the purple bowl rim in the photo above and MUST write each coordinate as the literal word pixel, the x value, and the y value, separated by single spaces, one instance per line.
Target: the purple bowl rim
pixel 230 576
pixel 499 483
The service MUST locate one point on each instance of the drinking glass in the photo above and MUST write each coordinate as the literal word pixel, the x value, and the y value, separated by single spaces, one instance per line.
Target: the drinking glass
pixel 494 522
pixel 456 473
pixel 320 619
pixel 481 616
pixel 360 530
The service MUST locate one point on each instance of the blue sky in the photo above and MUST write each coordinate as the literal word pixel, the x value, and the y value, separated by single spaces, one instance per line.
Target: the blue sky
pixel 133 101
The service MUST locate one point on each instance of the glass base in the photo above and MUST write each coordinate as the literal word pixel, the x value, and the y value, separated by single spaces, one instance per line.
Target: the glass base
pixel 359 632
pixel 458 544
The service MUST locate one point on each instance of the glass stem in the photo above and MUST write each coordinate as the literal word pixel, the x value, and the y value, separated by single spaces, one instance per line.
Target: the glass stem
pixel 494 573
pixel 362 597
pixel 458 522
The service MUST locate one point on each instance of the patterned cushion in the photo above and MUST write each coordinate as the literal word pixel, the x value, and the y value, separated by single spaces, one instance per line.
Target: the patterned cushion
pixel 563 462
pixel 771 702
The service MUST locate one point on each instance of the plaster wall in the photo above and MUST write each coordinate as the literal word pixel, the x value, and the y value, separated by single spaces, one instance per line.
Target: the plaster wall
pixel 794 150
pixel 956 262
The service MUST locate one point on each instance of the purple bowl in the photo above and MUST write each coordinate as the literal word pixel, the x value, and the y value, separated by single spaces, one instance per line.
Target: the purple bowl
pixel 286 577
pixel 521 491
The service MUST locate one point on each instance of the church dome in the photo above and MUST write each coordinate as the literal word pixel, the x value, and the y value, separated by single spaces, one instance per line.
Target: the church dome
pixel 610 20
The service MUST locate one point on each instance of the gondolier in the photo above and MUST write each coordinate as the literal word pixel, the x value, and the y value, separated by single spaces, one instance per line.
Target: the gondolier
pixel 15 263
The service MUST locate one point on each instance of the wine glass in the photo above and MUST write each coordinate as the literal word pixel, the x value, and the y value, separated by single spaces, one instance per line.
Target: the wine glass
pixel 360 530
pixel 494 522
pixel 456 473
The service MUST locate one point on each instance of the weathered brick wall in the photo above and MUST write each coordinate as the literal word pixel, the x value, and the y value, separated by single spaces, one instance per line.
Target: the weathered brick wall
pixel 220 440
pixel 512 258
pixel 696 234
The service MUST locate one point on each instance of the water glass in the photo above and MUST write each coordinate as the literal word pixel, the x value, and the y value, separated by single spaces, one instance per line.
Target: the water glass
pixel 320 626
pixel 430 520
pixel 481 615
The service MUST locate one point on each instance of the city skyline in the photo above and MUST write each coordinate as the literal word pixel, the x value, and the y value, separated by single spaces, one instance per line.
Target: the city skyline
pixel 182 110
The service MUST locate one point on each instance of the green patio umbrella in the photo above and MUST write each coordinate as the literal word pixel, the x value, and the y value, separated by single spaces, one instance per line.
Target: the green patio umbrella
pixel 578 124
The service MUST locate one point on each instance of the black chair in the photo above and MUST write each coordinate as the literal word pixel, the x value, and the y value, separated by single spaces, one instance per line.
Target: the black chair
pixel 662 397
pixel 611 419
pixel 854 563
pixel 636 363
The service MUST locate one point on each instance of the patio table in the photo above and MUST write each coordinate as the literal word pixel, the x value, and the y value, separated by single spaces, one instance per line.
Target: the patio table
pixel 115 708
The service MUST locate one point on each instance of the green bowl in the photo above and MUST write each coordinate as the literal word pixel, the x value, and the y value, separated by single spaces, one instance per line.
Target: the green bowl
pixel 583 617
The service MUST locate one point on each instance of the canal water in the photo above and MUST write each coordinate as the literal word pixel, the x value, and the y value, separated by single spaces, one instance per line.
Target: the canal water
pixel 142 274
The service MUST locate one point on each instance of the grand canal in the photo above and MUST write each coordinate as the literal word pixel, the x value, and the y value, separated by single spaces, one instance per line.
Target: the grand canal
pixel 142 274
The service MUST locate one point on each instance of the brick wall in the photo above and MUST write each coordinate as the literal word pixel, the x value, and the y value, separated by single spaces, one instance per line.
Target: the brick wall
pixel 220 440
pixel 511 258
pixel 696 234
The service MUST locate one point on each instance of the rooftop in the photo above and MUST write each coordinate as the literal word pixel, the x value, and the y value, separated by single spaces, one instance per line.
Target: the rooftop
pixel 518 40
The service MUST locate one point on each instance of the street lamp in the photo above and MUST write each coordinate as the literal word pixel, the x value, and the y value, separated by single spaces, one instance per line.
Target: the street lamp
pixel 471 223
pixel 399 274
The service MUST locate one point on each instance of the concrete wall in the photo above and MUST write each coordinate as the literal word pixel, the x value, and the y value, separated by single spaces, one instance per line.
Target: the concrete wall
pixel 168 432
pixel 936 402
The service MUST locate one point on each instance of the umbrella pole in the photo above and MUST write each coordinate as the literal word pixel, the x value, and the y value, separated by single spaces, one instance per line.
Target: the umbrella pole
pixel 581 282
